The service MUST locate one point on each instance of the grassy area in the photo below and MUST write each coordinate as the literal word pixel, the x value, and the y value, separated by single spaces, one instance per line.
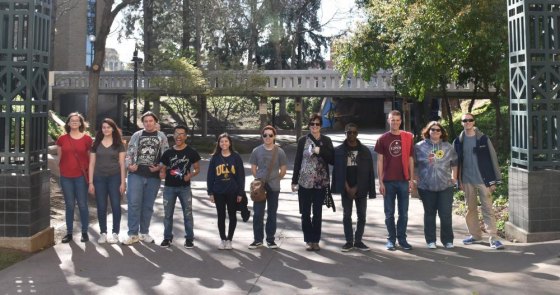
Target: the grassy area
pixel 9 257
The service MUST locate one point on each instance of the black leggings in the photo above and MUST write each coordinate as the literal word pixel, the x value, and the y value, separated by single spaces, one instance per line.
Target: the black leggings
pixel 230 201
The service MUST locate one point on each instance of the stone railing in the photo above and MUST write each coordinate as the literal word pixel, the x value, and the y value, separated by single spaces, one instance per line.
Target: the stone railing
pixel 268 83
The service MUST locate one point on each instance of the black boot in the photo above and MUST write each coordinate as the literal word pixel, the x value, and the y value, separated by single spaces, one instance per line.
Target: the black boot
pixel 67 238
pixel 85 237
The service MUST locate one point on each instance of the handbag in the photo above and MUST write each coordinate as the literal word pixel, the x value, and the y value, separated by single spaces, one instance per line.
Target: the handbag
pixel 258 185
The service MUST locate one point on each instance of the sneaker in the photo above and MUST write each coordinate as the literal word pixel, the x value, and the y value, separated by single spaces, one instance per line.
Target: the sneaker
pixel 309 246
pixel 146 238
pixel 189 244
pixel 255 245
pixel 85 237
pixel 432 245
pixel 347 247
pixel 131 240
pixel 228 245
pixel 405 245
pixel 316 246
pixel 390 245
pixel 222 245
pixel 166 243
pixel 67 238
pixel 102 239
pixel 448 246
pixel 113 239
pixel 272 245
pixel 469 240
pixel 496 245
pixel 361 246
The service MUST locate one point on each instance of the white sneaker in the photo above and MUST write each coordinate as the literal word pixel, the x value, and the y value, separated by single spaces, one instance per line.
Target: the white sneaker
pixel 222 245
pixel 432 245
pixel 102 239
pixel 113 239
pixel 228 245
pixel 448 245
pixel 146 238
pixel 131 240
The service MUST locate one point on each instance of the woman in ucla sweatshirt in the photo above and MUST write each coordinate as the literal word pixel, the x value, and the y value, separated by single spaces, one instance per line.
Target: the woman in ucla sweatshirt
pixel 226 184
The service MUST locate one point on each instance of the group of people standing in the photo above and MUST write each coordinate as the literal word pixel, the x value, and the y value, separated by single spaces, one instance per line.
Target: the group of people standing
pixel 433 166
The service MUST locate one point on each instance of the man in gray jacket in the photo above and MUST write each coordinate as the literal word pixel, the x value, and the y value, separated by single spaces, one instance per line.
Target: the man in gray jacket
pixel 478 171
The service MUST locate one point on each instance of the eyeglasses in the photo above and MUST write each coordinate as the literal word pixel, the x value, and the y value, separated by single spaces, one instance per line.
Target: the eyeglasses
pixel 351 132
pixel 435 129
pixel 265 135
pixel 314 124
pixel 179 134
pixel 467 120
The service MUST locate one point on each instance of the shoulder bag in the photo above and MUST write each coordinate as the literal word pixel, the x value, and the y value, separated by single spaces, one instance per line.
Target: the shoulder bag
pixel 258 185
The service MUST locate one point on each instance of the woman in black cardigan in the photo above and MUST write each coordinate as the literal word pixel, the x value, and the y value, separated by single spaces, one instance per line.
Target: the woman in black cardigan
pixel 311 180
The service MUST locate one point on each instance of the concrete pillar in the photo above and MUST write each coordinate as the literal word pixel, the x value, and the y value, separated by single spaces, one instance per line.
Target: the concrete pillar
pixel 534 205
pixel 24 174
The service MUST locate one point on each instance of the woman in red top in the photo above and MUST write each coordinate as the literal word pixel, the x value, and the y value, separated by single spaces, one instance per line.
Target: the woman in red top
pixel 73 153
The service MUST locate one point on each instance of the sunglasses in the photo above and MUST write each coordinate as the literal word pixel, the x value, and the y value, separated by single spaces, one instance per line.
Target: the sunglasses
pixel 265 135
pixel 351 132
pixel 467 120
pixel 435 129
pixel 314 124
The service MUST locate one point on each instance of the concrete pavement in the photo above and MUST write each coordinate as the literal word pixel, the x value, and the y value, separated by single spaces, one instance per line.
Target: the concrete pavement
pixel 90 268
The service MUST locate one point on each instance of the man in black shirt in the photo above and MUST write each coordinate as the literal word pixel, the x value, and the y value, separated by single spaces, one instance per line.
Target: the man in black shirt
pixel 354 179
pixel 179 165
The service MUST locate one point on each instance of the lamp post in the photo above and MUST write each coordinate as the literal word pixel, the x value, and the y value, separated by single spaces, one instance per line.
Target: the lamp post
pixel 137 61
pixel 91 39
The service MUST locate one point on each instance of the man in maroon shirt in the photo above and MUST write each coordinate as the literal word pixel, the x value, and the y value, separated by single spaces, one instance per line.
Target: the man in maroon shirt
pixel 395 167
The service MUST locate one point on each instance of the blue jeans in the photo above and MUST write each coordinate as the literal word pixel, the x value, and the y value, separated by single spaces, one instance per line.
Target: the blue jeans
pixel 141 195
pixel 108 186
pixel 170 195
pixel 361 208
pixel 311 198
pixel 75 190
pixel 258 207
pixel 396 190
pixel 437 203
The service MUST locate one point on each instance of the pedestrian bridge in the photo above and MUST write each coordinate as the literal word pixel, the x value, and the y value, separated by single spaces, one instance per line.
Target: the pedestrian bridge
pixel 318 83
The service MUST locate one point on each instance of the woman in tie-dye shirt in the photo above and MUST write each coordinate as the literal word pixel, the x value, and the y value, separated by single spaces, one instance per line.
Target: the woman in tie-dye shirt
pixel 436 175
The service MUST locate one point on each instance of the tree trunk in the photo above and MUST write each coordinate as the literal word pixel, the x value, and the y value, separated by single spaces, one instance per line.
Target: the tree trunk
pixel 475 91
pixel 495 99
pixel 451 130
pixel 149 44
pixel 254 35
pixel 186 34
pixel 108 16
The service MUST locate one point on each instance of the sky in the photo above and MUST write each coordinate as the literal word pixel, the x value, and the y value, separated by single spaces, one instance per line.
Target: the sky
pixel 335 12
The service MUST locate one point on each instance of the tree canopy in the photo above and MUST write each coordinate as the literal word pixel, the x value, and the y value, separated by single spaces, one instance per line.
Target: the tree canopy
pixel 428 44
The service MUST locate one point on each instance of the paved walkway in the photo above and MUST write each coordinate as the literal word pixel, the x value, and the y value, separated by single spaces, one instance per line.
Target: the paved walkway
pixel 90 268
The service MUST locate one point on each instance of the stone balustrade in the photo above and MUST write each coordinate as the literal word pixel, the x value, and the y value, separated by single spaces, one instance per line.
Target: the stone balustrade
pixel 270 83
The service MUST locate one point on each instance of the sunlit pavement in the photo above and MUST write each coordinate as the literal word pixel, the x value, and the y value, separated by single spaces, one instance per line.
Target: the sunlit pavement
pixel 90 268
